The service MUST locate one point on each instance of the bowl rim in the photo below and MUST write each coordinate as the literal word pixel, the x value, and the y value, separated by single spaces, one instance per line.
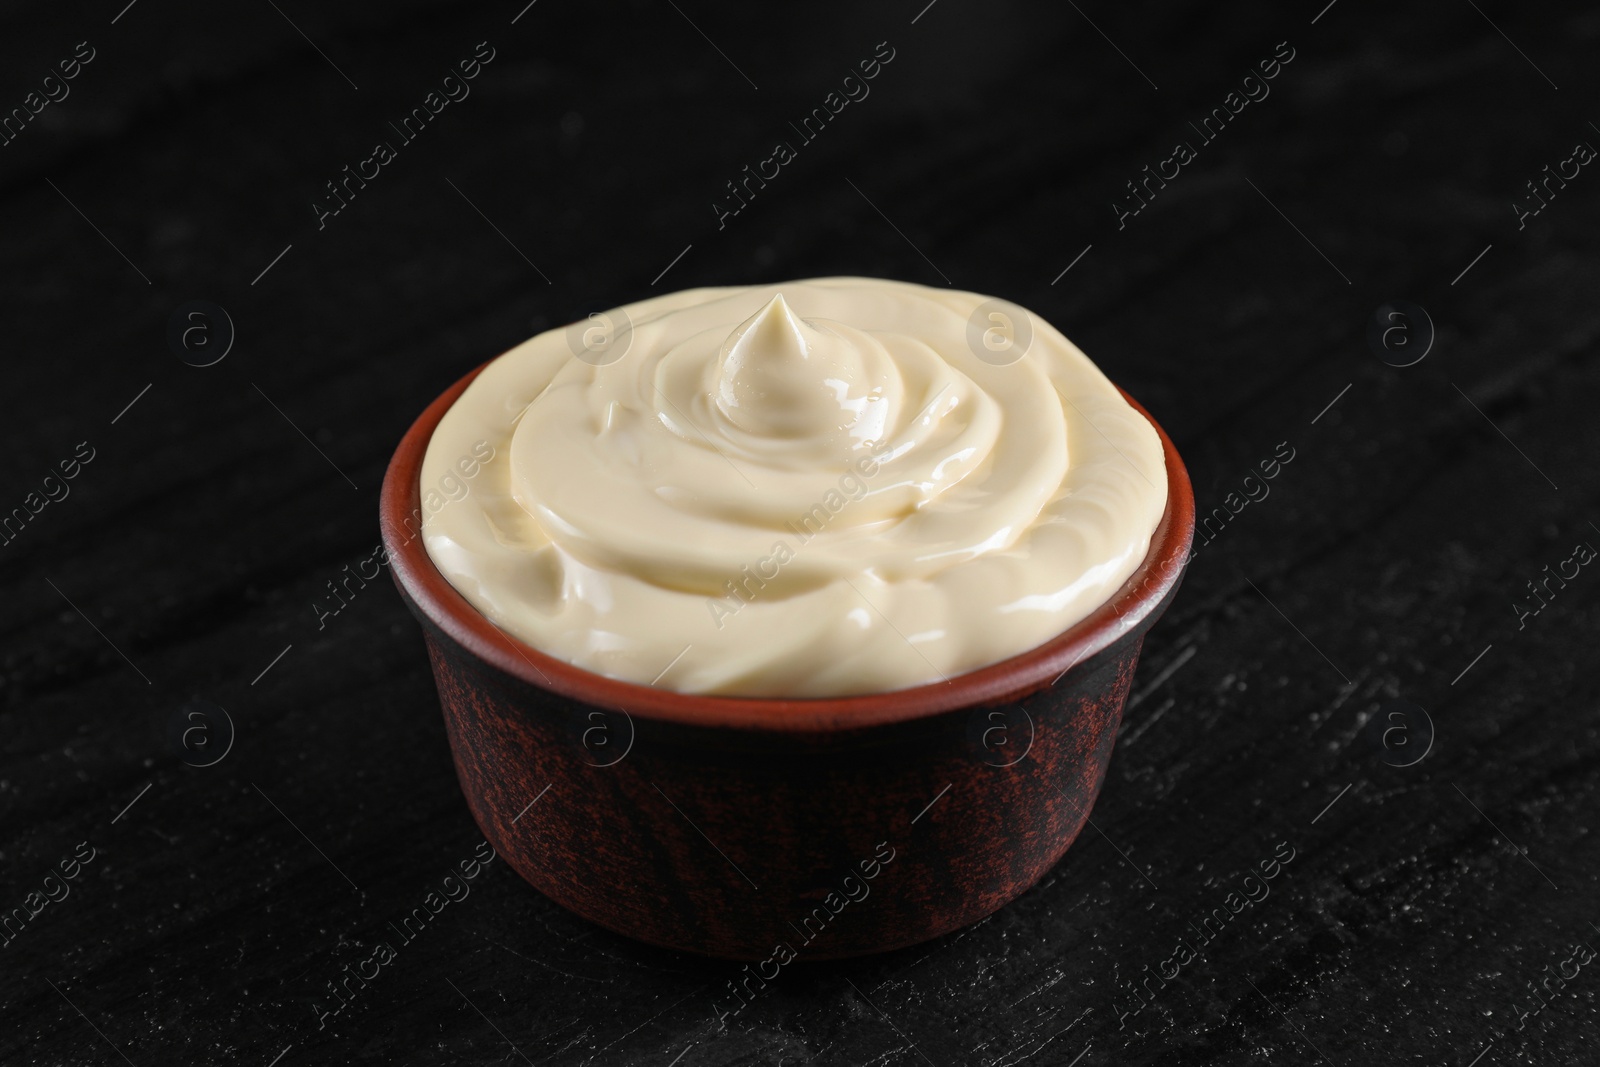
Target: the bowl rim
pixel 432 596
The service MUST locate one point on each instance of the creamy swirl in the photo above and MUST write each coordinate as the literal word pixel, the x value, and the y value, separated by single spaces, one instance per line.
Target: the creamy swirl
pixel 819 488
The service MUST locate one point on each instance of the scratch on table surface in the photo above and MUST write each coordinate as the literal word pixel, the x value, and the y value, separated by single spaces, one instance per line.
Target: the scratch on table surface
pixel 1161 679
pixel 546 966
pixel 578 1037
pixel 889 1055
pixel 648 1021
pixel 1319 718
pixel 941 944
pixel 1036 1049
pixel 562 920
pixel 1150 720
pixel 969 931
pixel 985 966
pixel 548 1034
pixel 1037 1021
pixel 599 951
pixel 809 1055
pixel 1051 984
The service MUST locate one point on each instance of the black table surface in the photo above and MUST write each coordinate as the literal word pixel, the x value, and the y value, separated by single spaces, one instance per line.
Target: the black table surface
pixel 1358 671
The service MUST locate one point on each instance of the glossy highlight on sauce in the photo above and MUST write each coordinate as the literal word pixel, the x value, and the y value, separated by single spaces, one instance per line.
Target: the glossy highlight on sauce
pixel 816 488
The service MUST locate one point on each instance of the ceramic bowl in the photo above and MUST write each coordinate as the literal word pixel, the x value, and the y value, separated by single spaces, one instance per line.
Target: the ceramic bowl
pixel 764 829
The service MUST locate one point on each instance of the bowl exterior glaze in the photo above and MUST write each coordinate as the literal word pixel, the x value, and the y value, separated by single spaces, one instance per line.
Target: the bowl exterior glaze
pixel 768 830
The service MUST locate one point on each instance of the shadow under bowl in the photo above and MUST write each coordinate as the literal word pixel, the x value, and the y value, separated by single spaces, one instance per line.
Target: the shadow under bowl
pixel 765 829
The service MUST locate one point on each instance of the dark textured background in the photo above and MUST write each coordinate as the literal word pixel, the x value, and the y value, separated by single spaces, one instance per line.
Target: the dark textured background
pixel 1417 908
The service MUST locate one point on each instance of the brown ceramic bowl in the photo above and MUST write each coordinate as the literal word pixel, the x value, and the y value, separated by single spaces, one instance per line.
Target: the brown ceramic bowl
pixel 764 829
